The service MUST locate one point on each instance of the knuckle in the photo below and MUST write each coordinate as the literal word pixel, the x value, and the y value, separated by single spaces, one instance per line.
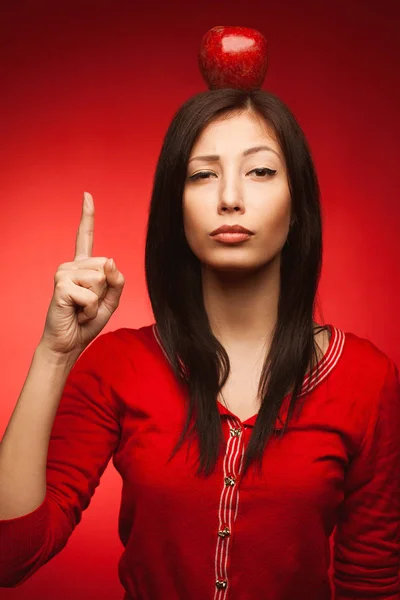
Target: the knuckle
pixel 60 288
pixel 59 282
pixel 63 266
pixel 59 272
pixel 94 299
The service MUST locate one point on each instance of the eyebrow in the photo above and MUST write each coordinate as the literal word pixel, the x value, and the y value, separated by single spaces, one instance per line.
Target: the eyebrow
pixel 214 157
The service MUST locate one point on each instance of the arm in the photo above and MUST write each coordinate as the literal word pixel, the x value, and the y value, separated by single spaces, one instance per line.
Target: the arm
pixel 367 538
pixel 23 448
pixel 84 435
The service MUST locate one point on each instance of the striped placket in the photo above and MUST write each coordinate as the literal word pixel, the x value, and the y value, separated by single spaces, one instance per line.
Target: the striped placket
pixel 228 505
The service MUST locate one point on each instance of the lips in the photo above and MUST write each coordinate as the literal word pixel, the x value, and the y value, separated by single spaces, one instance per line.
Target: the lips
pixel 231 229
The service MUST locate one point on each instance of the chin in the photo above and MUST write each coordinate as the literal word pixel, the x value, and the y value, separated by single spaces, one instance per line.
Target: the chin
pixel 236 265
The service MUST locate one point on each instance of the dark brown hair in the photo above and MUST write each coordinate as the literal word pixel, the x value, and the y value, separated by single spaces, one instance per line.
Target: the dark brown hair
pixel 173 277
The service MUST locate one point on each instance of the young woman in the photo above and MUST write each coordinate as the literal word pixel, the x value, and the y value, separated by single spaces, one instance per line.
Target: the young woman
pixel 244 432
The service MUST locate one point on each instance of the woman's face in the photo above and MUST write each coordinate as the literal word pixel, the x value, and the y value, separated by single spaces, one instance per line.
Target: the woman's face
pixel 236 190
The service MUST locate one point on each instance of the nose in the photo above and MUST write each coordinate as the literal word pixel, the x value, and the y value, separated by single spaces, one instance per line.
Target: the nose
pixel 230 197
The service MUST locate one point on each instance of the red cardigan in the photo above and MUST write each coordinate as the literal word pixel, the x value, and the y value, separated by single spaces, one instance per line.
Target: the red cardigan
pixel 226 537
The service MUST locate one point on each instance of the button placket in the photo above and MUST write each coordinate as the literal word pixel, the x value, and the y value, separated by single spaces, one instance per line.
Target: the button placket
pixel 230 480
pixel 221 584
pixel 224 532
pixel 228 508
pixel 235 431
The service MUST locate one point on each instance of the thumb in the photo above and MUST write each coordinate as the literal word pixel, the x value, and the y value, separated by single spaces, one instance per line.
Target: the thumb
pixel 116 282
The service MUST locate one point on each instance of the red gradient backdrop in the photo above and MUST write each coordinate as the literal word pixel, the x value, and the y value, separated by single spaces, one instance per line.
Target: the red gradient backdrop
pixel 88 91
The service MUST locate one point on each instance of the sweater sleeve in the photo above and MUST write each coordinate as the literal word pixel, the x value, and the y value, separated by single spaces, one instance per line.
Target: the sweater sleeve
pixel 84 436
pixel 367 539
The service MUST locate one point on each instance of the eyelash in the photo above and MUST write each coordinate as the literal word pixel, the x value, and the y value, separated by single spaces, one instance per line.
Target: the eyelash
pixel 269 172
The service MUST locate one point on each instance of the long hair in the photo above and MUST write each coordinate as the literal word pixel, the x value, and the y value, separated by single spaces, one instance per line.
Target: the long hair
pixel 173 277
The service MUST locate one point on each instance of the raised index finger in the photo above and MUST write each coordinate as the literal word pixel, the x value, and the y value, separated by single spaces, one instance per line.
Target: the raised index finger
pixel 84 236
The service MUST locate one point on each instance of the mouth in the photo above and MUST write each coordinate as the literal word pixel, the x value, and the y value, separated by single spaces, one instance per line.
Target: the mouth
pixel 231 230
pixel 231 238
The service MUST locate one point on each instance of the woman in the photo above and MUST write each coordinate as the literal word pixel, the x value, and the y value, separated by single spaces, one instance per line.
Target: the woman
pixel 215 504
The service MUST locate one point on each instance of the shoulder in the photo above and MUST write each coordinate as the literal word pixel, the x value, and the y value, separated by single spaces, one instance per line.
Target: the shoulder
pixel 366 386
pixel 364 363
pixel 124 339
pixel 133 347
pixel 132 337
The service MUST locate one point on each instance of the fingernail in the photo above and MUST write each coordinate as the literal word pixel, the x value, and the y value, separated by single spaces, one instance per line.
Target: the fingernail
pixel 111 263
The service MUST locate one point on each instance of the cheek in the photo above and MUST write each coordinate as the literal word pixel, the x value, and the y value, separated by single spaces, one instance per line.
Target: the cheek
pixel 272 223
pixel 277 207
pixel 196 228
pixel 193 220
pixel 272 217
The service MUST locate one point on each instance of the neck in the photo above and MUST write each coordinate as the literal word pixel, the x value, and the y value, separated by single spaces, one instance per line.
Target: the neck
pixel 242 307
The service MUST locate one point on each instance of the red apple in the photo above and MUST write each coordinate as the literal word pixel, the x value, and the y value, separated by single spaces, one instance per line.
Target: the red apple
pixel 233 57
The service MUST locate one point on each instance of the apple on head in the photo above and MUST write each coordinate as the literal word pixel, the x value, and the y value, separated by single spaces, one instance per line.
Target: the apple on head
pixel 233 57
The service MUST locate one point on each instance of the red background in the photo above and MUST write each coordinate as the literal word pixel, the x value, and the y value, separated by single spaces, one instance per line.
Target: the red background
pixel 88 90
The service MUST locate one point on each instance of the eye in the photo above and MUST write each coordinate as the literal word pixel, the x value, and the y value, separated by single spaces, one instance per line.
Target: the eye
pixel 261 172
pixel 201 175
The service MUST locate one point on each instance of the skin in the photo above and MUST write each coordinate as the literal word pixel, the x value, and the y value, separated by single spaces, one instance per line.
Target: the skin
pixel 241 282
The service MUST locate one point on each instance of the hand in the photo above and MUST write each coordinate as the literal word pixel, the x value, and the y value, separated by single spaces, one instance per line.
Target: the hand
pixel 86 293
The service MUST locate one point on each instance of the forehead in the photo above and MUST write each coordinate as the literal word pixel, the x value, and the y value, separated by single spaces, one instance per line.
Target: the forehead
pixel 235 132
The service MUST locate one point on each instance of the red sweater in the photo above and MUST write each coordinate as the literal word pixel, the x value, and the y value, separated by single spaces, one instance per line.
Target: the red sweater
pixel 226 537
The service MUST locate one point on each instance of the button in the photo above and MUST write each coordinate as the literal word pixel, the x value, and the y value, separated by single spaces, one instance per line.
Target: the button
pixel 221 584
pixel 236 432
pixel 230 480
pixel 224 532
